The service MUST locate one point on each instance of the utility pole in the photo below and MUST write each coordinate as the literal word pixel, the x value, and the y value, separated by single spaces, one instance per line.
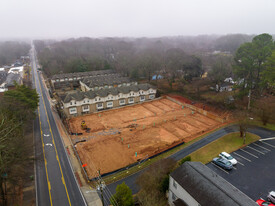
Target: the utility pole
pixel 101 188
pixel 249 99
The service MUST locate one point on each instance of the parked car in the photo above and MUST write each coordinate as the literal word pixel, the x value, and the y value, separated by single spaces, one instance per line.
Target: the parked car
pixel 262 202
pixel 228 157
pixel 271 197
pixel 223 163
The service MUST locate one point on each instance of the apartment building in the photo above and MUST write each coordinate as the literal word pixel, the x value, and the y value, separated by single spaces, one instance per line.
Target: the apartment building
pixel 194 184
pixel 104 82
pixel 69 77
pixel 84 102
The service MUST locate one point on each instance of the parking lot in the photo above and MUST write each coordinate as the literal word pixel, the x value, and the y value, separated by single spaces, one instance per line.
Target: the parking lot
pixel 254 173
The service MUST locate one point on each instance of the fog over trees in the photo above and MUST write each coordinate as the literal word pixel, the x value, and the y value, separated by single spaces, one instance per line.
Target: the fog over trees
pixel 12 50
pixel 136 57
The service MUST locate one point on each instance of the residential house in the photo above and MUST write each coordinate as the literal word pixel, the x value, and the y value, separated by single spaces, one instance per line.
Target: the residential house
pixel 226 86
pixel 194 184
pixel 90 101
pixel 11 80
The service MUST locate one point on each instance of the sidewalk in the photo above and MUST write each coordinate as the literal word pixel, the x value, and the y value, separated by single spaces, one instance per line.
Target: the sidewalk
pixel 89 193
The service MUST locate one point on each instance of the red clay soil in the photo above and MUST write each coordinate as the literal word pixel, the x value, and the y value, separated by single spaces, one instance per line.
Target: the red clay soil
pixel 117 135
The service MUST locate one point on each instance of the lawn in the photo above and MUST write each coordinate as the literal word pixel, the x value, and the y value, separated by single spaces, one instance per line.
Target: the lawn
pixel 228 143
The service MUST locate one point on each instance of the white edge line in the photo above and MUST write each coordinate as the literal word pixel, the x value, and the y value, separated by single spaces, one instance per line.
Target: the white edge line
pixel 220 168
pixel 243 157
pixel 240 163
pixel 66 152
pixel 35 178
pixel 255 150
pixel 269 144
pixel 249 153
pixel 262 147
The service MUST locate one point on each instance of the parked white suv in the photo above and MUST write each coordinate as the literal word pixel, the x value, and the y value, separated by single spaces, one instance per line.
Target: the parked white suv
pixel 271 197
pixel 228 157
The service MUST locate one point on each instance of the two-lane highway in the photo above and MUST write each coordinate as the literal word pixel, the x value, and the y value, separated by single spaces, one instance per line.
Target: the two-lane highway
pixel 55 180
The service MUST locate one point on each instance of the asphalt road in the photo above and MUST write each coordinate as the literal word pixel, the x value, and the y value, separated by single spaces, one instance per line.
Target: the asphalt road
pixel 55 180
pixel 131 180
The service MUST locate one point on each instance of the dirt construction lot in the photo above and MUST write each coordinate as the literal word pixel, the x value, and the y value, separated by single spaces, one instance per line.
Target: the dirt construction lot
pixel 120 137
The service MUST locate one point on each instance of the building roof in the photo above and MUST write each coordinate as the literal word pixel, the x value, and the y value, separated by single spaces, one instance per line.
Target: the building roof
pixel 179 202
pixel 11 78
pixel 3 76
pixel 78 96
pixel 206 186
pixel 82 74
pixel 98 81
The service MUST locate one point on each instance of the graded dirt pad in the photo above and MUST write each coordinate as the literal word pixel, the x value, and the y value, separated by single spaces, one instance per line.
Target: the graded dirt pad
pixel 123 136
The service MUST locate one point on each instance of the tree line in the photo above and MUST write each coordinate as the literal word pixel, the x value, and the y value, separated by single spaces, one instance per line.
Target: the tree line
pixel 17 111
pixel 140 57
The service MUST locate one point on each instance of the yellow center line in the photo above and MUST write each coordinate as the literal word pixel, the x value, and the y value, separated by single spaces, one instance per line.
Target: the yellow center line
pixel 63 180
pixel 45 161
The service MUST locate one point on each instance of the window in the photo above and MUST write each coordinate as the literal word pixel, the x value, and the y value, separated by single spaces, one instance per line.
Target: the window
pixel 174 184
pixel 99 106
pixel 173 196
pixel 109 104
pixel 84 102
pixel 151 96
pixel 71 103
pixel 122 102
pixel 142 98
pixel 72 110
pixel 131 100
pixel 85 108
pixel 95 99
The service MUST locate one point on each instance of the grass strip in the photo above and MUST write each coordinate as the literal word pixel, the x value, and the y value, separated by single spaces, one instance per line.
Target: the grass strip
pixel 228 143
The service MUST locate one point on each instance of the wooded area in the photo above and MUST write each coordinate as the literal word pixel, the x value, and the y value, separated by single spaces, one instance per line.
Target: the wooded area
pixel 17 111
pixel 137 58
pixel 11 51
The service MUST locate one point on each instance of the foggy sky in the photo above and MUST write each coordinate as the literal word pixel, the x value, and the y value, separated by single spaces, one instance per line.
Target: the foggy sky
pixel 134 18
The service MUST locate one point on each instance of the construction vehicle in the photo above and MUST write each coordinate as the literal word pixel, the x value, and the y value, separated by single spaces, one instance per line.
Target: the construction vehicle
pixel 83 125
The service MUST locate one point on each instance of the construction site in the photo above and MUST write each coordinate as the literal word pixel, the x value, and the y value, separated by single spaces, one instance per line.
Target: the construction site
pixel 114 139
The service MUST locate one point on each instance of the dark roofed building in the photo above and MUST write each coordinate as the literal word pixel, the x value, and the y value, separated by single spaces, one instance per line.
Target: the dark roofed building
pixel 91 101
pixel 11 79
pixel 195 184
pixel 109 81
pixel 79 75
pixel 3 76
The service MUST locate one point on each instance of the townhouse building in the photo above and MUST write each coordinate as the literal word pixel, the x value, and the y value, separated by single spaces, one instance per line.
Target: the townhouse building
pixel 93 100
pixel 69 77
pixel 104 82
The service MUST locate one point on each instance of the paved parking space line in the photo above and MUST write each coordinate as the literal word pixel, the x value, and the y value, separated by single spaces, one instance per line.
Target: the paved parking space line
pixel 255 150
pixel 234 168
pixel 240 163
pixel 261 147
pixel 268 144
pixel 219 168
pixel 242 157
pixel 249 153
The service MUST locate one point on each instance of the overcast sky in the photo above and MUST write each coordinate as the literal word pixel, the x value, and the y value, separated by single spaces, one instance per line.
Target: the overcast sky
pixel 134 18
